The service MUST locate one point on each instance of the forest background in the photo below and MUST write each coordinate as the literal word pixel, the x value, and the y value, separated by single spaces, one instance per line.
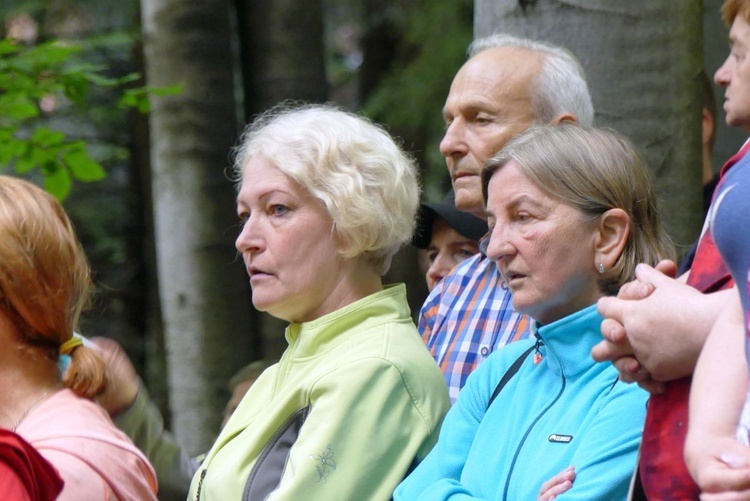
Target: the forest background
pixel 143 170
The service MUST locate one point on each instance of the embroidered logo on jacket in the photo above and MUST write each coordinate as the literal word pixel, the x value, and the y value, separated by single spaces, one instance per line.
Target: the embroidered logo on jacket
pixel 560 439
pixel 326 463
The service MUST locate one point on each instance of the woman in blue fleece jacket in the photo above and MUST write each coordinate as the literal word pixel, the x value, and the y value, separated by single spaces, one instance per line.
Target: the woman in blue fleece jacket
pixel 571 211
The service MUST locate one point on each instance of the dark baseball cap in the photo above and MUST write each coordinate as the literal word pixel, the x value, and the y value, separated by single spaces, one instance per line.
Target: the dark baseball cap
pixel 464 223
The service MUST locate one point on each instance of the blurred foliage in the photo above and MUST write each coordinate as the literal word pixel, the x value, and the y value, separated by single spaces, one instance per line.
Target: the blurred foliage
pixel 33 81
pixel 410 98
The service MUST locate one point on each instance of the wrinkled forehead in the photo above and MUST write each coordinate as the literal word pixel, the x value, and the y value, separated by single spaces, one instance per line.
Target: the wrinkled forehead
pixel 502 65
pixel 500 74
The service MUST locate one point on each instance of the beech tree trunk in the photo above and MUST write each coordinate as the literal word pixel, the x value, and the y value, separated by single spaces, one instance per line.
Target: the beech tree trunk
pixel 203 286
pixel 642 59
pixel 282 58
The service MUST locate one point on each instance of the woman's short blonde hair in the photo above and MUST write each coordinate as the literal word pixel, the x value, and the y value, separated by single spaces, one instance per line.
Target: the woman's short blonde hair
pixel 593 170
pixel 366 182
pixel 45 279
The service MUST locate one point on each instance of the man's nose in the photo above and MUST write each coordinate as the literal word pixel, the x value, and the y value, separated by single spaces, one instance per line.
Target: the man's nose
pixel 453 144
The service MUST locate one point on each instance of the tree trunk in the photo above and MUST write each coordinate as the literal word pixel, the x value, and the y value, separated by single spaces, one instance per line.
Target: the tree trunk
pixel 282 52
pixel 144 304
pixel 642 59
pixel 203 287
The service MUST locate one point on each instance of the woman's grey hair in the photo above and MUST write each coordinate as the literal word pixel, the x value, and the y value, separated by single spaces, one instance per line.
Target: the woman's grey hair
pixel 593 170
pixel 561 84
pixel 367 183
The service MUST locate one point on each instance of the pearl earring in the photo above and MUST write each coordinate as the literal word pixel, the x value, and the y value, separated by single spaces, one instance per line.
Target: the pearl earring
pixel 600 267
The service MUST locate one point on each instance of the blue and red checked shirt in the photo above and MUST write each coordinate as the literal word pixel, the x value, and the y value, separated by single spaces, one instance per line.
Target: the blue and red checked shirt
pixel 467 316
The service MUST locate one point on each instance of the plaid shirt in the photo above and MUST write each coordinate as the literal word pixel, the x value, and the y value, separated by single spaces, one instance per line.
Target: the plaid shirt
pixel 467 316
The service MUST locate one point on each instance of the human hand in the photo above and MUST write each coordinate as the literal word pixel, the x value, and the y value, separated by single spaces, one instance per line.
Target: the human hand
pixel 657 321
pixel 720 466
pixel 560 483
pixel 616 346
pixel 640 289
pixel 123 383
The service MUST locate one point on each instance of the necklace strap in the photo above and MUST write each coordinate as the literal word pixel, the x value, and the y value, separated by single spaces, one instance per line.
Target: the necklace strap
pixel 31 408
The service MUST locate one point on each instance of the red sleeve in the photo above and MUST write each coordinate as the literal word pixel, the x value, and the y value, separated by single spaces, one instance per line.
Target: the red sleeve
pixel 24 473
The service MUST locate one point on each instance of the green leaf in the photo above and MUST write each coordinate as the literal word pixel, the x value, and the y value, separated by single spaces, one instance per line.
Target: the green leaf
pixel 8 47
pixel 18 107
pixel 75 88
pixel 46 137
pixel 140 98
pixel 131 77
pixel 25 163
pixel 57 181
pixel 100 80
pixel 83 167
pixel 52 53
pixel 11 148
pixel 29 73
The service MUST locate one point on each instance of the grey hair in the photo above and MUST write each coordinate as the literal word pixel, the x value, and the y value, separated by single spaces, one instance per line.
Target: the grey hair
pixel 367 183
pixel 561 84
pixel 592 170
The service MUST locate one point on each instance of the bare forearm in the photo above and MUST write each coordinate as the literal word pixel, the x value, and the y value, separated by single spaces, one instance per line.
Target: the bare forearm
pixel 720 380
pixel 717 462
pixel 679 354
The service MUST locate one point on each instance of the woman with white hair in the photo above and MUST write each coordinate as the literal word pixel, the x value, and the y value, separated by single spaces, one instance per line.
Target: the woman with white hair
pixel 326 198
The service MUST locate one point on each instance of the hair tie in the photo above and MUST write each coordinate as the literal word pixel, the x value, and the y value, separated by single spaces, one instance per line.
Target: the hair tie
pixel 71 344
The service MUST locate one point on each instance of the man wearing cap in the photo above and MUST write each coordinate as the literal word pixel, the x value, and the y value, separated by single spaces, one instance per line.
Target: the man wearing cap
pixel 506 85
pixel 447 236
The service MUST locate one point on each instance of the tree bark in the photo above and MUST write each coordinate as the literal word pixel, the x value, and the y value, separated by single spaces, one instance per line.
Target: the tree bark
pixel 203 287
pixel 642 59
pixel 282 52
pixel 281 49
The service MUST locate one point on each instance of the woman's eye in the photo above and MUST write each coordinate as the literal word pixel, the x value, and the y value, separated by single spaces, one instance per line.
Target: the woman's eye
pixel 523 216
pixel 431 256
pixel 279 210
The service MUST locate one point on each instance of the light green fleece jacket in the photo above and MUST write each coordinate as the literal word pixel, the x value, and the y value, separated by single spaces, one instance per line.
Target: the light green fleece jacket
pixel 355 401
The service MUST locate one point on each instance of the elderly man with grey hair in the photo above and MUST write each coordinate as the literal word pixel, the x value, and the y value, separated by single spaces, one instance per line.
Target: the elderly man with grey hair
pixel 506 85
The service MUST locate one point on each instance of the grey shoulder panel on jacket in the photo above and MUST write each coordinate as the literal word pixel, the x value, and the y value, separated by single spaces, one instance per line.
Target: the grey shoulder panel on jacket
pixel 265 476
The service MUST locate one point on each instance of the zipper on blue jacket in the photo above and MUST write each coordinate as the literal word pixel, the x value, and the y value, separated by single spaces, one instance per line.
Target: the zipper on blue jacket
pixel 531 426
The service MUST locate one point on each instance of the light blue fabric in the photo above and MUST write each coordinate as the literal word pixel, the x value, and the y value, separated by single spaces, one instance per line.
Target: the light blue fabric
pixel 63 361
pixel 508 451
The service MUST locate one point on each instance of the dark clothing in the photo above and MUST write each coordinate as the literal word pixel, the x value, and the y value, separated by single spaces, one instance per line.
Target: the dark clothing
pixel 708 193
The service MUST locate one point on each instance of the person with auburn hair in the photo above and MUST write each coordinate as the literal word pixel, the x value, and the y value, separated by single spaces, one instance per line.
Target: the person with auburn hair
pixel 326 198
pixel 717 446
pixel 44 285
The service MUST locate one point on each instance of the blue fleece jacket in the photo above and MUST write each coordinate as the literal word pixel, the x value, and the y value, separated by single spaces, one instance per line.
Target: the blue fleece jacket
pixel 565 410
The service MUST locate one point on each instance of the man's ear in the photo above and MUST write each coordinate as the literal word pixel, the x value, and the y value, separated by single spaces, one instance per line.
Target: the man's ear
pixel 613 230
pixel 564 117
